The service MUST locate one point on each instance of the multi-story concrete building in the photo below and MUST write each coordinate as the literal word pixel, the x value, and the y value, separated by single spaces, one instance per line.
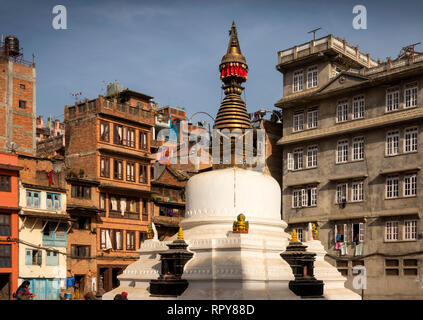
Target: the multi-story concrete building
pixel 17 99
pixel 108 153
pixel 352 153
pixel 9 208
pixel 43 226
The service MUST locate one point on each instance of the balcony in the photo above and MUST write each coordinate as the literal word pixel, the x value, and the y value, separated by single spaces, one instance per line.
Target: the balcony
pixel 55 240
pixel 126 215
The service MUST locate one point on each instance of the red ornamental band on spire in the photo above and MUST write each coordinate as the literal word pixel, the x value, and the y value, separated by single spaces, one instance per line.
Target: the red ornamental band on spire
pixel 236 69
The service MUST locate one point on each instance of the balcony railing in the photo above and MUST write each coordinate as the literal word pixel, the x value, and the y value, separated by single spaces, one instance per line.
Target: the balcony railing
pixel 126 215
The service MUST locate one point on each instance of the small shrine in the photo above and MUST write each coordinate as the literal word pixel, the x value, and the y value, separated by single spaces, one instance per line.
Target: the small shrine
pixel 240 225
pixel 150 232
pixel 302 264
pixel 170 282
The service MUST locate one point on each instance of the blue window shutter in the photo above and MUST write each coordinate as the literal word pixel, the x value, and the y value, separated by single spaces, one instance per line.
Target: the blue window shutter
pixel 28 257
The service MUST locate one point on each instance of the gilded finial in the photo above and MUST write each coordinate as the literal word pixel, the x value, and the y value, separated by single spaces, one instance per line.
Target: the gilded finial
pixel 180 234
pixel 294 236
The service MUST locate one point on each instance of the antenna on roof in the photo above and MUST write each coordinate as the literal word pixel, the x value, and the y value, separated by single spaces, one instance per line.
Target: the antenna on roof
pixel 408 49
pixel 314 32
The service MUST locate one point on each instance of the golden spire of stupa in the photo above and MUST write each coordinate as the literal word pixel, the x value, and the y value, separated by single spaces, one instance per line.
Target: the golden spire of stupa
pixel 294 236
pixel 180 234
pixel 233 113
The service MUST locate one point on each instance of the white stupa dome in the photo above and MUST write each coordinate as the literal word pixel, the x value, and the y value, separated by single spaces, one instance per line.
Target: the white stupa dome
pixel 229 192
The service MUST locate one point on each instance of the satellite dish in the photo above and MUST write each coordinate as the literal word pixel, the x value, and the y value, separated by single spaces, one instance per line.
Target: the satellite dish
pixel 12 146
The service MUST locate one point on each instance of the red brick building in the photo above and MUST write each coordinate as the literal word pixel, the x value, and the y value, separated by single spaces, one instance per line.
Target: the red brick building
pixel 9 259
pixel 108 153
pixel 17 100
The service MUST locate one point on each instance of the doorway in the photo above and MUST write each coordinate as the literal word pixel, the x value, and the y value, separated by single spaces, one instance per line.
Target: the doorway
pixel 4 286
pixel 79 286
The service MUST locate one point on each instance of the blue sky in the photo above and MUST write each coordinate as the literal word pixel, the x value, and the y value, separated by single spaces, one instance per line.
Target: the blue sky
pixel 171 49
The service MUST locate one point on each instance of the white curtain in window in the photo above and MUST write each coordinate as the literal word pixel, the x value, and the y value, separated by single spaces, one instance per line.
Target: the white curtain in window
pixel 108 241
pixel 114 203
pixel 122 206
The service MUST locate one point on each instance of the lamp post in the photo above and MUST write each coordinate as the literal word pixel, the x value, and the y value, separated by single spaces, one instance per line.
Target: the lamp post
pixel 263 112
pixel 201 112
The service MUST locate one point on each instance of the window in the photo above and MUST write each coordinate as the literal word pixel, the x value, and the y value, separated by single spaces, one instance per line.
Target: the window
pixel 117 242
pixel 410 230
pixel 342 266
pixel 298 81
pixel 130 240
pixel 357 191
pixel 117 169
pixel 410 139
pixel 81 251
pixel 298 121
pixel 33 199
pixel 83 223
pixel 54 234
pixel 118 134
pixel 392 99
pixel 342 111
pixel 296 198
pixel 342 151
pixel 410 95
pixel 341 193
pixel 81 191
pixel 104 131
pixel 33 257
pixel 358 107
pixel 4 224
pixel 300 234
pixel 113 203
pixel 312 77
pixel 358 232
pixel 22 104
pixel 298 159
pixel 143 173
pixel 103 237
pixel 144 210
pixel 52 258
pixel 312 116
pixel 53 201
pixel 392 190
pixel 392 143
pixel 143 140
pixel 22 86
pixel 312 156
pixel 410 185
pixel 104 167
pixel 358 148
pixel 128 137
pixel 392 267
pixel 304 197
pixel 5 183
pixel 130 172
pixel 5 258
pixel 102 201
pixel 410 267
pixel 391 233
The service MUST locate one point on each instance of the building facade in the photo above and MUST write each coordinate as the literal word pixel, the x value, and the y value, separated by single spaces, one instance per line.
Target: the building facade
pixel 352 153
pixel 43 227
pixel 9 208
pixel 17 100
pixel 108 153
